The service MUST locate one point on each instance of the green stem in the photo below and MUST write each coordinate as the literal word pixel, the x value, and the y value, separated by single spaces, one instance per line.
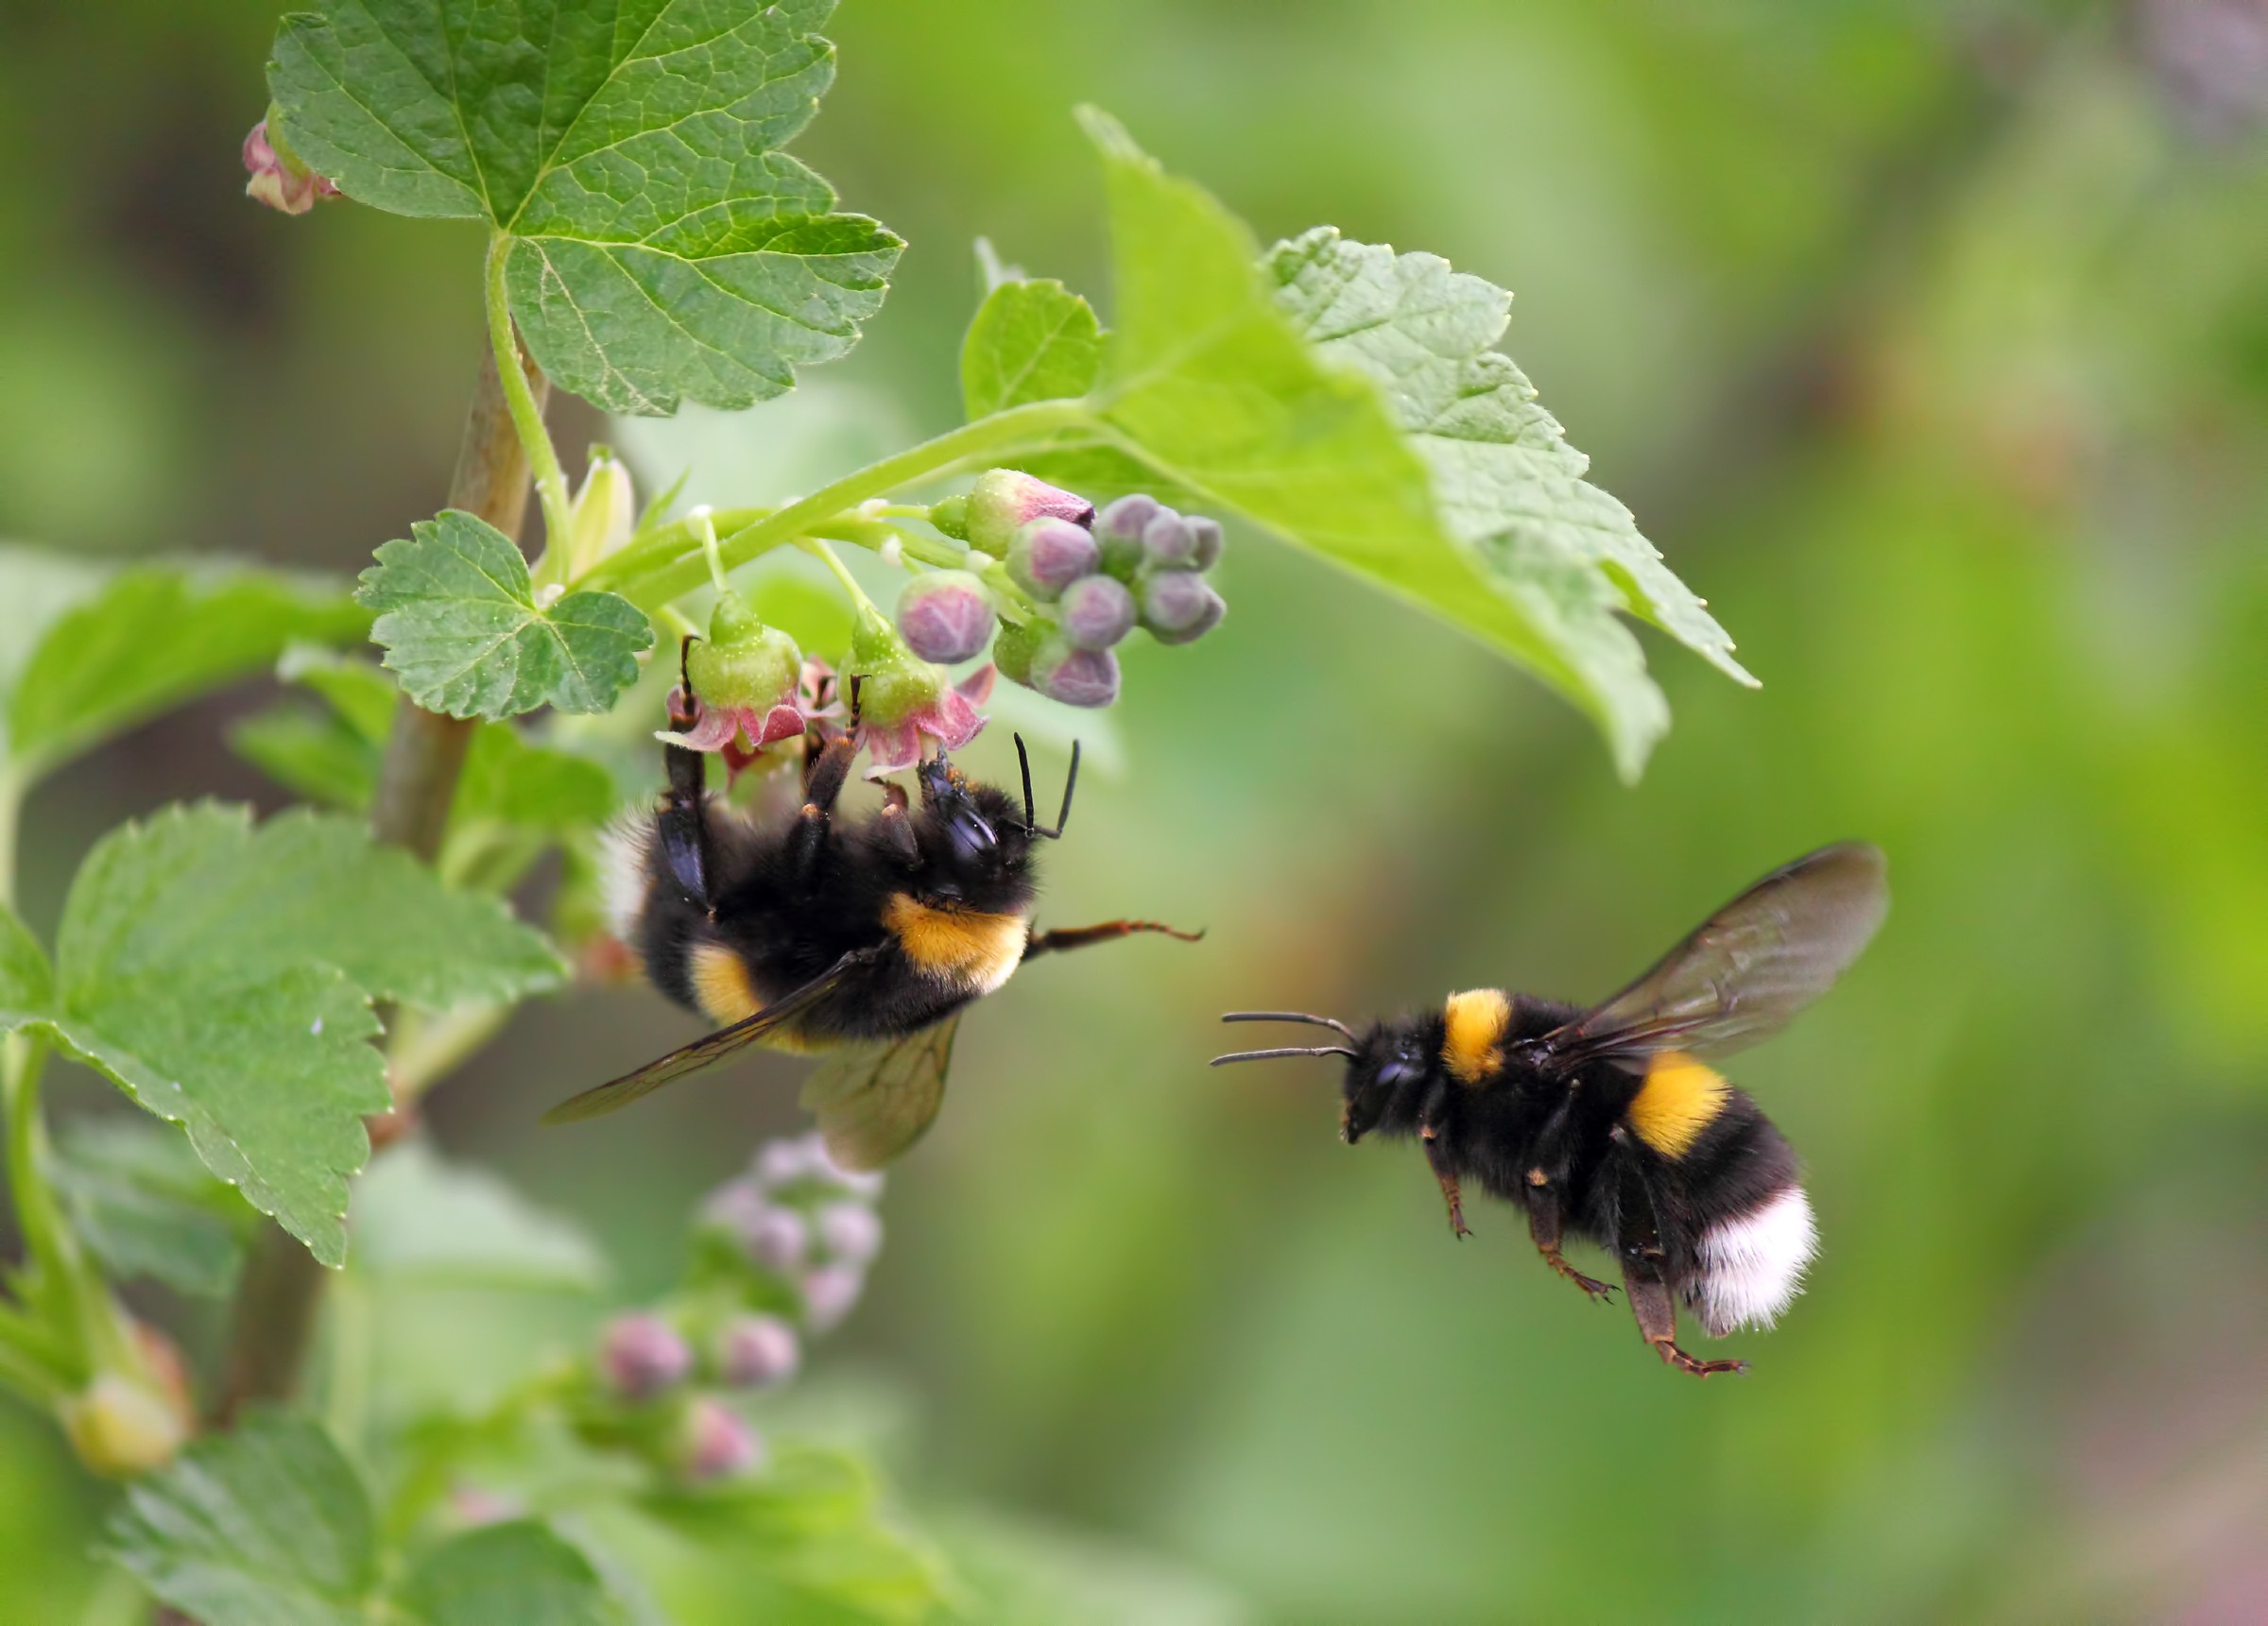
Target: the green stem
pixel 528 418
pixel 867 611
pixel 706 526
pixel 655 569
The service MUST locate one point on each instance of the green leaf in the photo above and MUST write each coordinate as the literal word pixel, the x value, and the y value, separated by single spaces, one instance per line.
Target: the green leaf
pixel 105 655
pixel 138 1196
pixel 459 619
pixel 1208 379
pixel 268 1525
pixel 514 780
pixel 662 247
pixel 222 976
pixel 1029 341
pixel 1506 481
pixel 420 1219
pixel 27 979
pixel 518 1574
pixel 310 753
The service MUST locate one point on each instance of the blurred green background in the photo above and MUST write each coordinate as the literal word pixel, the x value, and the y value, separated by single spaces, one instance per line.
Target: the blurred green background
pixel 1930 342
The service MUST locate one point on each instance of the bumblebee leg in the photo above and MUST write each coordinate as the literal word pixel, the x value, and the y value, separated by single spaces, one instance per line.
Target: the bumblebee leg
pixel 823 779
pixel 1081 936
pixel 895 828
pixel 1547 1224
pixel 1437 1155
pixel 1647 1283
pixel 679 822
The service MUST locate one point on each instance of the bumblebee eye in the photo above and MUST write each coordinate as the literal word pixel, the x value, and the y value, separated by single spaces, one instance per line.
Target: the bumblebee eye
pixel 1397 1071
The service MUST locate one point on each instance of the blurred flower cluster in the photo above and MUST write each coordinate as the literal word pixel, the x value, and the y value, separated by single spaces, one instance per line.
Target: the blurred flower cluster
pixel 781 1256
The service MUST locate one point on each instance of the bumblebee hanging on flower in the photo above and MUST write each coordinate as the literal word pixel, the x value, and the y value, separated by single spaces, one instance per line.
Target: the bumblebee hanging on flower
pixel 865 938
pixel 1609 1123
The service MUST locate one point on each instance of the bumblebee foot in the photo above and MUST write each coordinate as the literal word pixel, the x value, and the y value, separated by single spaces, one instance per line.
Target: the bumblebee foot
pixel 1672 1356
pixel 1594 1289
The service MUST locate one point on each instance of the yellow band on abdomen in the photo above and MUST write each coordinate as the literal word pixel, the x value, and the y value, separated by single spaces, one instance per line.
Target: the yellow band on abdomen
pixel 1679 1099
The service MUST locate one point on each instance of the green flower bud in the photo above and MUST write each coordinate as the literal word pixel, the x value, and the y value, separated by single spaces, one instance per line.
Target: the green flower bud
pixel 950 518
pixel 746 677
pixel 603 513
pixel 1012 650
pixel 121 1426
pixel 1003 501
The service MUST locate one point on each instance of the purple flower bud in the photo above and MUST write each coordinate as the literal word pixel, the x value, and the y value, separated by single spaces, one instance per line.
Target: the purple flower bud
pixel 1206 532
pixel 782 1162
pixel 778 1239
pixel 1126 518
pixel 1074 676
pixel 863 1184
pixel 945 615
pixel 1179 605
pixel 1003 502
pixel 643 1354
pixel 279 179
pixel 1168 543
pixel 734 1206
pixel 714 1442
pixel 756 1351
pixel 1096 612
pixel 849 1232
pixel 828 1294
pixel 1047 555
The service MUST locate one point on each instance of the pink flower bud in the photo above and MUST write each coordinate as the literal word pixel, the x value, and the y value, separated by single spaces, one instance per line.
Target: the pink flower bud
pixel 1179 605
pixel 279 179
pixel 1003 502
pixel 715 1442
pixel 849 1232
pixel 756 1351
pixel 863 1184
pixel 1074 676
pixel 1096 612
pixel 1167 541
pixel 1126 519
pixel 784 1162
pixel 1049 554
pixel 1206 533
pixel 945 615
pixel 828 1293
pixel 643 1354
pixel 778 1239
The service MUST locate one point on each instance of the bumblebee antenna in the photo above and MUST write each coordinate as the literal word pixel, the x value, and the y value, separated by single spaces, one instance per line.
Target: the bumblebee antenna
pixel 1296 1050
pixel 1071 782
pixel 1289 1017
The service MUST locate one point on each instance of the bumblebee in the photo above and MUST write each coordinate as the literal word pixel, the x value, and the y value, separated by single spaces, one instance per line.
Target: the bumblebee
pixel 861 938
pixel 1610 1124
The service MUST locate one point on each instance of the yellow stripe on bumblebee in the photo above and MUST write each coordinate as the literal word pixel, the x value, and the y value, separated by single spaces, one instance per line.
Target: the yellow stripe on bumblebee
pixel 1476 1019
pixel 1680 1097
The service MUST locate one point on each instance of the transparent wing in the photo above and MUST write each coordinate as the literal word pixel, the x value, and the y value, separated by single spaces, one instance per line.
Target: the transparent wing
pixel 875 1100
pixel 706 1050
pixel 1748 969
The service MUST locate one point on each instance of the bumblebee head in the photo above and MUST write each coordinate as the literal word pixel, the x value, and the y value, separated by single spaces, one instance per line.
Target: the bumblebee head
pixel 1385 1066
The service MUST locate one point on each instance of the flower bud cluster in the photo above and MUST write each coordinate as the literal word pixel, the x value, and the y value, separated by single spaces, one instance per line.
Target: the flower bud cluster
pixel 783 1255
pixel 1095 577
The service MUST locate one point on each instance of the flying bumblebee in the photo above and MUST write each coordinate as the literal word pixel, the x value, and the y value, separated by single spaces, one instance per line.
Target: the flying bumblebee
pixel 863 938
pixel 1608 1123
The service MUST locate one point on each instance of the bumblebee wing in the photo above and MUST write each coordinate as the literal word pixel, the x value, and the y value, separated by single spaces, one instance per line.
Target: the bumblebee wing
pixel 1747 971
pixel 706 1050
pixel 875 1100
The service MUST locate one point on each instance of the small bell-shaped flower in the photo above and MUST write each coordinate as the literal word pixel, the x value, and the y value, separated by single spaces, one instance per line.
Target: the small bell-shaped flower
pixel 747 686
pixel 904 702
pixel 279 179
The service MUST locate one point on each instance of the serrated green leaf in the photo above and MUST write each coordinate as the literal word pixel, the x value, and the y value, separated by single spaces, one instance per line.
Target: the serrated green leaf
pixel 1206 379
pixel 517 1574
pixel 664 248
pixel 222 975
pixel 1029 341
pixel 1506 481
pixel 268 1525
pixel 27 979
pixel 418 1218
pixel 140 1199
pixel 101 652
pixel 516 781
pixel 459 623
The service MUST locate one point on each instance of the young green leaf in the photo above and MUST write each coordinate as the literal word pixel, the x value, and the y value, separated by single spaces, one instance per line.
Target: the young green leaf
pixel 1207 379
pixel 27 979
pixel 222 976
pixel 517 1574
pixel 140 1199
pixel 418 1218
pixel 1506 481
pixel 459 621
pixel 311 753
pixel 99 656
pixel 268 1525
pixel 662 247
pixel 1029 341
